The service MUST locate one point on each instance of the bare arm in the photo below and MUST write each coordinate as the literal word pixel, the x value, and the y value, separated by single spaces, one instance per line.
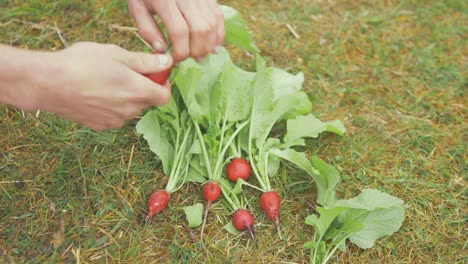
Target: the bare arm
pixel 19 84
pixel 97 85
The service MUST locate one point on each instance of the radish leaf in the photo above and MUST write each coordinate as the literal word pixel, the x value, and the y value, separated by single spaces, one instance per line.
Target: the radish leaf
pixel 236 30
pixel 381 215
pixel 157 136
pixel 310 126
pixel 194 214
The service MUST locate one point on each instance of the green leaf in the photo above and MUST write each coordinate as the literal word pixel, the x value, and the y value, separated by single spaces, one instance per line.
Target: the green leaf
pixel 336 126
pixel 327 216
pixel 299 159
pixel 211 140
pixel 238 187
pixel 195 148
pixel 261 120
pixel 231 229
pixel 304 126
pixel 194 214
pixel 277 95
pixel 285 83
pixel 235 85
pixel 325 190
pixel 380 214
pixel 378 223
pixel 326 177
pixel 198 87
pixel 273 165
pixel 330 177
pixel 371 199
pixel 157 137
pixel 195 175
pixel 196 172
pixel 352 226
pixel 236 30
pixel 310 244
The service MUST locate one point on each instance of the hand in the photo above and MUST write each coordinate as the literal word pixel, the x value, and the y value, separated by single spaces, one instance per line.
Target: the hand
pixel 102 85
pixel 195 27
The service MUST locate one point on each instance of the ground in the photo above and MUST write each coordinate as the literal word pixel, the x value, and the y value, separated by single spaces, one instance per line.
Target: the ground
pixel 393 71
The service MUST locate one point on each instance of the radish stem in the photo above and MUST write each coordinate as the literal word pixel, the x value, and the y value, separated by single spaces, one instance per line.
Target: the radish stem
pixel 174 176
pixel 329 255
pixel 207 208
pixel 203 147
pixel 223 130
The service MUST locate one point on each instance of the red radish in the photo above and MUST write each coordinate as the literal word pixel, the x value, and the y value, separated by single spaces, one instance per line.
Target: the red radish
pixel 159 77
pixel 238 168
pixel 242 220
pixel 157 202
pixel 210 193
pixel 270 204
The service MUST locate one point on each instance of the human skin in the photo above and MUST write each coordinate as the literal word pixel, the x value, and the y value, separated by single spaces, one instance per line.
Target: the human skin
pixel 195 27
pixel 102 85
pixel 97 85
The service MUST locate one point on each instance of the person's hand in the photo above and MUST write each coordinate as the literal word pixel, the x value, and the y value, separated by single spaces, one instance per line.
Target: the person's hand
pixel 101 85
pixel 195 27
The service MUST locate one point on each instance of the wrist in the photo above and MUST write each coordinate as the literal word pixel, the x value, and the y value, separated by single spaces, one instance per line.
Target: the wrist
pixel 24 77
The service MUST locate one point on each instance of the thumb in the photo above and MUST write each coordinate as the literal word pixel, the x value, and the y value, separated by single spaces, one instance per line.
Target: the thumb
pixel 145 63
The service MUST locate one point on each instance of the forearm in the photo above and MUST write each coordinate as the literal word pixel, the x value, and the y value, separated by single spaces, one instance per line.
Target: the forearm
pixel 23 74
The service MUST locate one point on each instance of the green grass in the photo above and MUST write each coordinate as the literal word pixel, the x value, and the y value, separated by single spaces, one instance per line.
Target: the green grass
pixel 393 71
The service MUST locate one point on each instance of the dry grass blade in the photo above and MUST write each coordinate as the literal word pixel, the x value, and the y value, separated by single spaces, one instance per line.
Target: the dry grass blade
pixel 291 29
pixel 123 28
pixel 59 33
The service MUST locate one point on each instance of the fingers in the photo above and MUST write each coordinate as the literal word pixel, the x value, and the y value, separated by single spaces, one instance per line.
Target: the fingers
pixel 145 92
pixel 195 27
pixel 139 63
pixel 157 95
pixel 146 24
pixel 219 16
pixel 176 27
pixel 143 63
pixel 202 26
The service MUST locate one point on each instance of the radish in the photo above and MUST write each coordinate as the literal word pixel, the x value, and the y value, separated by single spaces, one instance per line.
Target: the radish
pixel 210 193
pixel 159 77
pixel 238 168
pixel 157 202
pixel 242 220
pixel 270 204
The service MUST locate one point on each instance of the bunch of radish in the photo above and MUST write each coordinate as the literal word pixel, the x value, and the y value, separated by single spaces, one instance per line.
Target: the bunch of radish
pixel 216 129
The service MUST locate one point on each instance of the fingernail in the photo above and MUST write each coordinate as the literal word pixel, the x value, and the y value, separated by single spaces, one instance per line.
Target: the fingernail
pixel 158 46
pixel 163 59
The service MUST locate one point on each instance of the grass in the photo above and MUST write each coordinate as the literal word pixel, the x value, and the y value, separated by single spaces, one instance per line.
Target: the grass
pixel 393 71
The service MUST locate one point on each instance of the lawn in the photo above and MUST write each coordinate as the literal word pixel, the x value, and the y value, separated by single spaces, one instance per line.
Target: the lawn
pixel 393 71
